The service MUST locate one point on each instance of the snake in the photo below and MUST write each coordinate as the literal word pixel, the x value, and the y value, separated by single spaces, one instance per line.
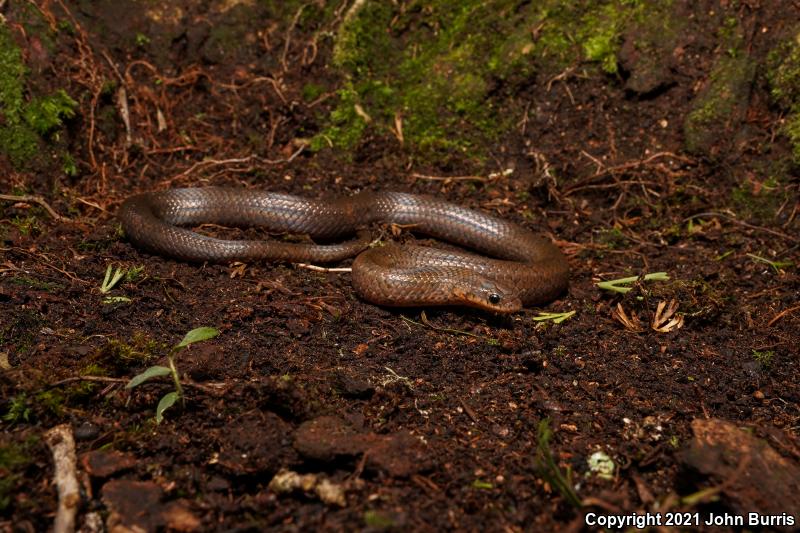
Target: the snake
pixel 523 268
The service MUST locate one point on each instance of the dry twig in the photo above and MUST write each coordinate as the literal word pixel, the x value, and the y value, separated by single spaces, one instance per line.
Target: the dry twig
pixel 745 224
pixel 782 314
pixel 62 445
pixel 214 389
pixel 29 198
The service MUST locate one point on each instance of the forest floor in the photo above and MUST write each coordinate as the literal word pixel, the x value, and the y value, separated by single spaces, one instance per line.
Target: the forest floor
pixel 681 395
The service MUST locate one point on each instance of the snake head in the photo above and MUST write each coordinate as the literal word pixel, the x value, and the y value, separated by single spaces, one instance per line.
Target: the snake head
pixel 489 296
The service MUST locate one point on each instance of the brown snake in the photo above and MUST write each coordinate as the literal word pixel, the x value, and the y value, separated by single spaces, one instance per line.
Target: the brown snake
pixel 531 270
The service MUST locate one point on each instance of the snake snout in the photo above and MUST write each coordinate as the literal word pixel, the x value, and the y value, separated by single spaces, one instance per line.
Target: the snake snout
pixel 490 296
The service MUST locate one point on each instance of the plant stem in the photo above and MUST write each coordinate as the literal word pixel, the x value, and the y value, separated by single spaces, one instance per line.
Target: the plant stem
pixel 614 284
pixel 176 377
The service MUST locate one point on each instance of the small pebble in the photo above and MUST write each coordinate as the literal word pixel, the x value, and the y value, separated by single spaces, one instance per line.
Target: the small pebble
pixel 86 431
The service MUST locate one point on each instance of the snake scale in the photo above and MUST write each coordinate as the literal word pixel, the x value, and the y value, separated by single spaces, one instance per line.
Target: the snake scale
pixel 529 269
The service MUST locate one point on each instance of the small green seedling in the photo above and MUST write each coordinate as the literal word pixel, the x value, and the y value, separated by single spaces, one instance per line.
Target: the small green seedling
pixel 482 485
pixel 548 468
pixel 723 255
pixel 169 399
pixel 142 39
pixel 764 358
pixel 18 409
pixel 614 285
pixel 557 318
pixel 111 279
pixel 777 265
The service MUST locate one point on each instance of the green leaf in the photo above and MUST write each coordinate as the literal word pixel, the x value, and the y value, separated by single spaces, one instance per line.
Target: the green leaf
pixel 166 402
pixel 614 284
pixel 152 372
pixel 557 318
pixel 111 279
pixel 109 300
pixel 197 335
pixel 480 484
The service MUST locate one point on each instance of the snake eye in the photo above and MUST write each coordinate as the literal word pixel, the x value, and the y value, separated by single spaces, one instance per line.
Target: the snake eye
pixel 494 298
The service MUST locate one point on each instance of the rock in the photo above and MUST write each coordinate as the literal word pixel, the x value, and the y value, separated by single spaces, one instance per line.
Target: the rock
pixel 752 476
pixel 718 110
pixel 352 387
pixel 106 463
pixel 135 506
pixel 399 454
pixel 328 437
pixel 647 53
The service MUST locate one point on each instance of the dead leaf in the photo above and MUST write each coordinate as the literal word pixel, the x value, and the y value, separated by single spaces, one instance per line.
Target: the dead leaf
pixel 665 319
pixel 631 323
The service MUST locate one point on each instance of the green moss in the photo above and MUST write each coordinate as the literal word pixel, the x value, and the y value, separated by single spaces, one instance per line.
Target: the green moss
pixel 142 40
pixel 654 32
pixel 68 165
pixel 602 29
pixel 442 75
pixel 312 91
pixel 378 520
pixel 24 123
pixel 50 401
pixel 44 115
pixel 783 75
pixel 84 390
pixel 18 409
pixel 764 358
pixel 613 238
pixel 26 225
pixel 345 124
pixel 23 408
pixel 725 96
pixel 762 195
pixel 13 71
pixel 16 139
pixel 120 355
pixel 792 130
pixel 784 72
pixel 757 206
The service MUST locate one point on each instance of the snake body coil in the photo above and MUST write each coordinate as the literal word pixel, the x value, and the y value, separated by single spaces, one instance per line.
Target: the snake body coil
pixel 531 270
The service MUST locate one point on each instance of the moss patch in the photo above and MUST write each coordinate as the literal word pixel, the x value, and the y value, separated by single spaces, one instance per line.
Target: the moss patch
pixel 441 75
pixel 601 30
pixel 725 98
pixel 784 79
pixel 25 123
pixel 650 41
pixel 761 197
pixel 118 356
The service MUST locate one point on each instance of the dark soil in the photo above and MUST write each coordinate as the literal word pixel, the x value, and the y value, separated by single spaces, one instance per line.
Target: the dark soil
pixel 427 419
